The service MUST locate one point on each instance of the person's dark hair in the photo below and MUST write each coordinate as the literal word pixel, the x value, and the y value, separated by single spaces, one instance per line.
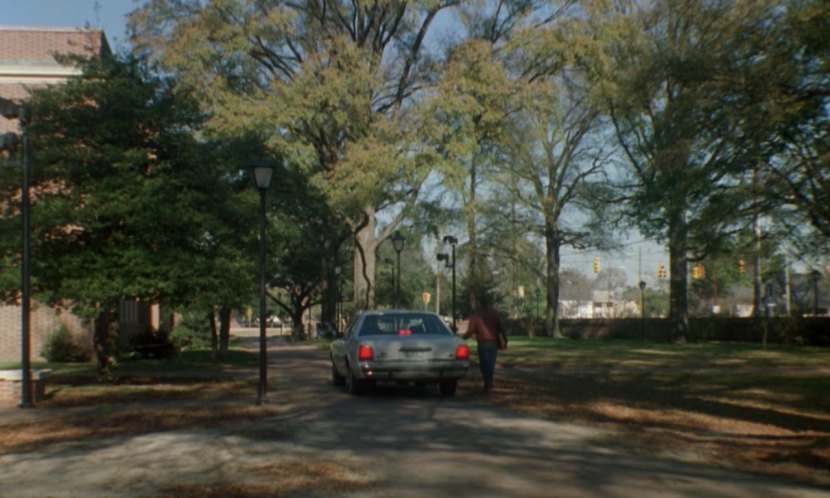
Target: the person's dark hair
pixel 484 299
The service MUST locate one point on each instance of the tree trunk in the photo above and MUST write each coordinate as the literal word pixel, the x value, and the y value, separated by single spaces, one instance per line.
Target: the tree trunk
pixel 678 278
pixel 328 305
pixel 224 331
pixel 214 335
pixel 364 262
pixel 106 341
pixel 552 246
pixel 472 246
pixel 297 323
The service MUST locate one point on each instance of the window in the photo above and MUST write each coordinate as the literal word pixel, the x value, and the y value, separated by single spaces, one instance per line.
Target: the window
pixel 403 324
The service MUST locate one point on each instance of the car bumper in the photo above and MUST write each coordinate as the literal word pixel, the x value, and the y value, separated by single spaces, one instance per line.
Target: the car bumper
pixel 415 373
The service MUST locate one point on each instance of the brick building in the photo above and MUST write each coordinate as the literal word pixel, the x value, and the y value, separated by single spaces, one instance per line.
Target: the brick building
pixel 32 58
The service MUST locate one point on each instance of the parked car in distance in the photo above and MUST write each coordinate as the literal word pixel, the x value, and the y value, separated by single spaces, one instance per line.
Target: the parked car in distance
pixel 395 346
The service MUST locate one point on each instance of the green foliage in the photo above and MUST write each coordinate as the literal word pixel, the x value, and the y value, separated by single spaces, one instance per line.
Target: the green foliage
pixel 154 344
pixel 131 203
pixel 186 338
pixel 123 217
pixel 62 346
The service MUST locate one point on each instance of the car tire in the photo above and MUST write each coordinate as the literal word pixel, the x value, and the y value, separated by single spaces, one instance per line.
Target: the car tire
pixel 354 386
pixel 336 378
pixel 448 387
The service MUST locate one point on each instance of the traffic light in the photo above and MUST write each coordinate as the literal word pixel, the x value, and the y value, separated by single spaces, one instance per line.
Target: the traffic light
pixel 698 272
pixel 741 267
pixel 661 271
pixel 596 264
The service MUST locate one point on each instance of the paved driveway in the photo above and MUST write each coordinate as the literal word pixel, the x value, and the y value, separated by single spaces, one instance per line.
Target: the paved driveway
pixel 395 443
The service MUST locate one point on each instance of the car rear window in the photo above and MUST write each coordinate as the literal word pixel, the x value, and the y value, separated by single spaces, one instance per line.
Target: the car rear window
pixel 404 325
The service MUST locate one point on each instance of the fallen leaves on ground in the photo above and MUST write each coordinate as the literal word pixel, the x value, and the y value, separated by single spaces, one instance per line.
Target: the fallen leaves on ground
pixel 680 416
pixel 290 477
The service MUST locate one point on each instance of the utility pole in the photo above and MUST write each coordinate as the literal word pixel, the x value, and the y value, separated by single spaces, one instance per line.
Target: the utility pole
pixel 438 293
pixel 756 293
pixel 789 302
pixel 756 286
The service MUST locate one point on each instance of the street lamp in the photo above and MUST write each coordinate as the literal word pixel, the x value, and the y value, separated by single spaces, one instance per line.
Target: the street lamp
pixel 391 264
pixel 449 239
pixel 10 110
pixel 262 170
pixel 398 242
pixel 338 307
pixel 642 286
pixel 816 275
pixel 442 256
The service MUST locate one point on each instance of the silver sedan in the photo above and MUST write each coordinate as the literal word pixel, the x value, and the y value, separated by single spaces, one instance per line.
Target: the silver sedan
pixel 399 347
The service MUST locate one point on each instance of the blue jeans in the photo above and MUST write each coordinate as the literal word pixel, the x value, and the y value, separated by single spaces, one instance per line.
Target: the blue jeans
pixel 487 353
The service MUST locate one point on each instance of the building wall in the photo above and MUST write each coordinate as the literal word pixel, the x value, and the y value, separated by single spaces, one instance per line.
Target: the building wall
pixel 43 322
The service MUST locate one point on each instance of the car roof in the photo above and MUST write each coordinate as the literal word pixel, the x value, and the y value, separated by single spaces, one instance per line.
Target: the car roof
pixel 396 312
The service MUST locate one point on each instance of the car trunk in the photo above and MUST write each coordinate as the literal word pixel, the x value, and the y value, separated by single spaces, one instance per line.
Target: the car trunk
pixel 421 349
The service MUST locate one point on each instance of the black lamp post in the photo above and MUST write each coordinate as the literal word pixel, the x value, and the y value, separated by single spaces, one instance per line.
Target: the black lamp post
pixel 442 256
pixel 10 110
pixel 398 242
pixel 449 239
pixel 816 275
pixel 391 264
pixel 338 307
pixel 642 286
pixel 262 174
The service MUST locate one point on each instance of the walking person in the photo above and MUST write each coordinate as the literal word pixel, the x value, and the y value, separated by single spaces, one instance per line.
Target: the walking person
pixel 485 326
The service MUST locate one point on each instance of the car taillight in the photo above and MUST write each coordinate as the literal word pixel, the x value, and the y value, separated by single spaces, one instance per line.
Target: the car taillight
pixel 462 352
pixel 365 353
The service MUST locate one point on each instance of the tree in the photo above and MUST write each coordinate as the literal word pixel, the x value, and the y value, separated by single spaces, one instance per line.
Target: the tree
pixel 670 96
pixel 304 235
pixel 575 285
pixel 224 272
pixel 329 84
pixel 120 183
pixel 555 169
pixel 790 102
pixel 472 106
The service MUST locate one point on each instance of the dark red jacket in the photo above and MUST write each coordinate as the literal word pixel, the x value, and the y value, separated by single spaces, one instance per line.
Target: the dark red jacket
pixel 484 325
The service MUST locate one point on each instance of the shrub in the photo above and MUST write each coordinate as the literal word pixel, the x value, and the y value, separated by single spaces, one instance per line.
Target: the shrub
pixel 186 338
pixel 152 344
pixel 62 346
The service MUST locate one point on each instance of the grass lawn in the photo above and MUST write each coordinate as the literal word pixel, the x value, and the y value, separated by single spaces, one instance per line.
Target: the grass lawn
pixel 737 405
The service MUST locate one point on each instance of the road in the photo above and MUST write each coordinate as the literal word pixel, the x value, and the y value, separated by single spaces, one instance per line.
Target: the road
pixel 389 443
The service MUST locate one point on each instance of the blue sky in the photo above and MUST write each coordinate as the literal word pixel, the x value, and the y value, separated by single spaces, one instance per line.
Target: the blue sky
pixel 110 15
